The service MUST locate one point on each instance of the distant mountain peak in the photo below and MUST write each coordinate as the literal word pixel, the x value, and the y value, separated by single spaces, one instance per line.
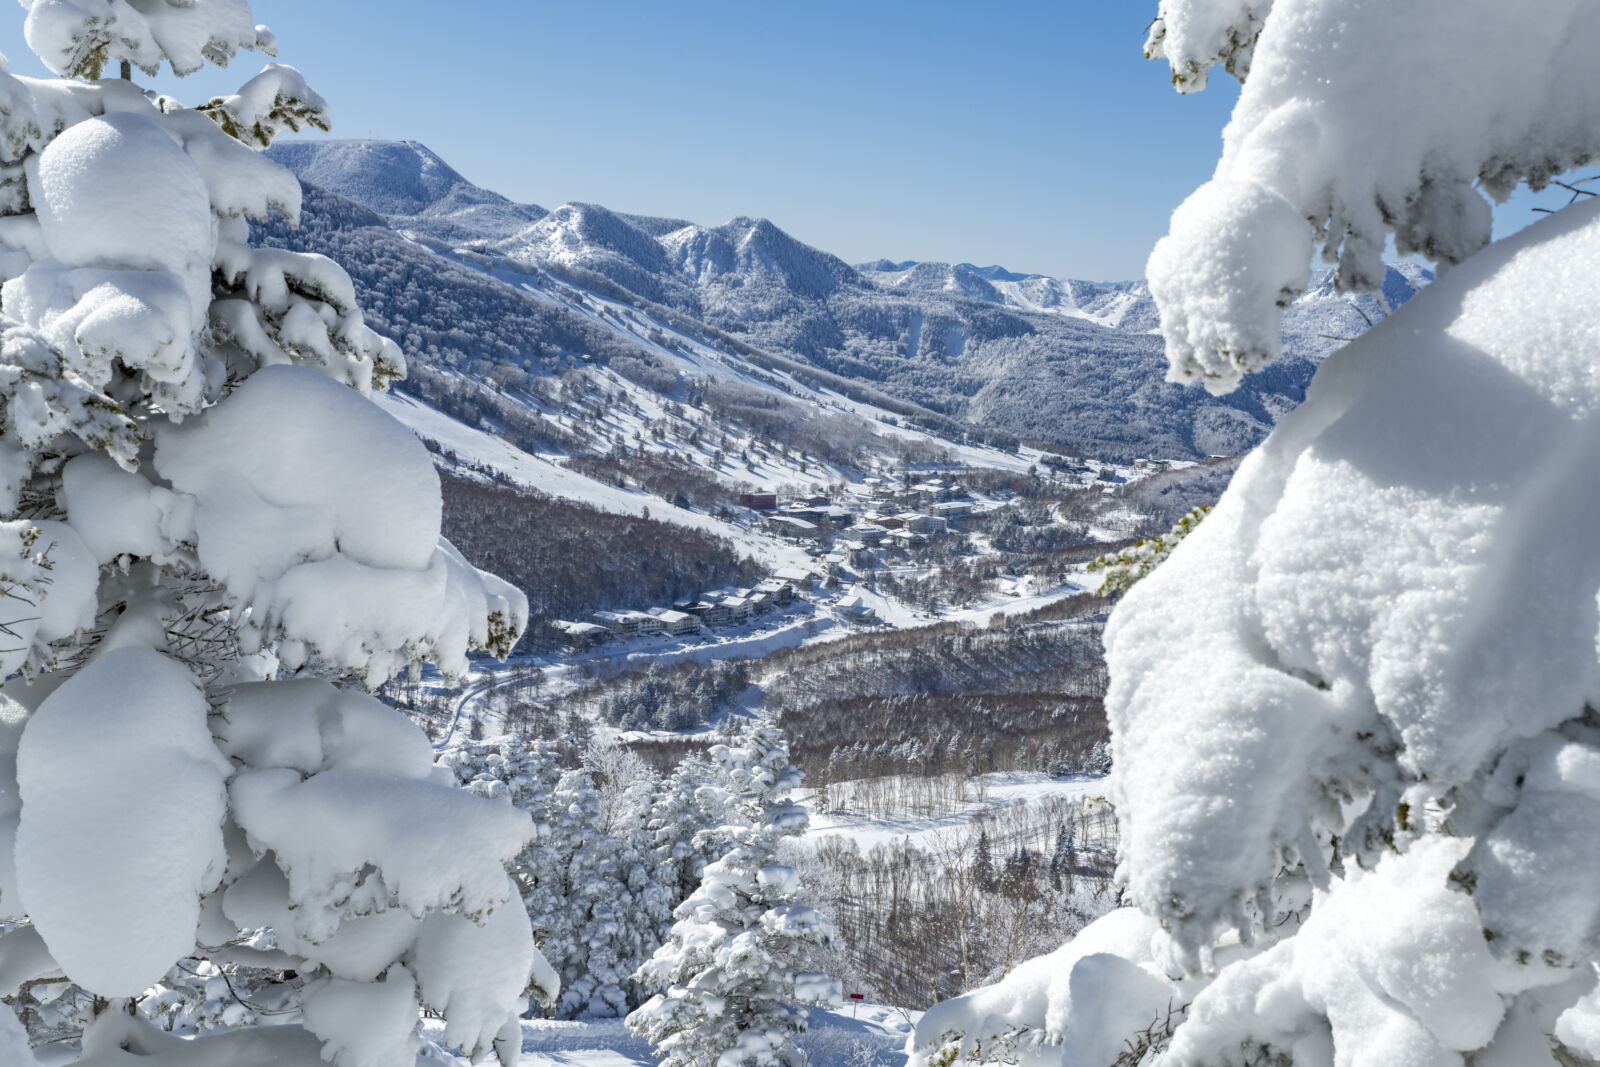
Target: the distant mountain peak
pixel 404 179
pixel 997 273
pixel 886 266
pixel 391 177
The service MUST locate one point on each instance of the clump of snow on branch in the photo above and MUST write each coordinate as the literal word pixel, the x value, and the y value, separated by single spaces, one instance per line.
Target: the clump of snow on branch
pixel 120 904
pixel 48 591
pixel 275 100
pixel 1192 37
pixel 338 563
pixel 1075 1005
pixel 1356 122
pixel 80 38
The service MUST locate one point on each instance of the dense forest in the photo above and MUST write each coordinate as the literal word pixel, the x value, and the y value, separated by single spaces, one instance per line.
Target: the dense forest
pixel 572 560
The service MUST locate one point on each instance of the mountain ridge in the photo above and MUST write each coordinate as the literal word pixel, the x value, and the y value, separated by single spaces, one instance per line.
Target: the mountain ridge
pixel 1072 362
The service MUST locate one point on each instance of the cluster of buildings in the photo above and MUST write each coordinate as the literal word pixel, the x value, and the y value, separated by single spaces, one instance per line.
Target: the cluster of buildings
pixel 884 513
pixel 715 608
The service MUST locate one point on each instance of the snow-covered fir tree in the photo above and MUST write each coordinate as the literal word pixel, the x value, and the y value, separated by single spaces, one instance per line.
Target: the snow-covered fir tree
pixel 209 531
pixel 732 989
pixel 687 807
pixel 1357 753
pixel 610 903
pixel 606 865
pixel 627 904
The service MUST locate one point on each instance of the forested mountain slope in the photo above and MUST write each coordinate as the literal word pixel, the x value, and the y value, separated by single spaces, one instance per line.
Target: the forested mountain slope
pixel 464 277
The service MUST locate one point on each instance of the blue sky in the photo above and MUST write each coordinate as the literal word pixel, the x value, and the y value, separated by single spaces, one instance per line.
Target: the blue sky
pixel 1029 134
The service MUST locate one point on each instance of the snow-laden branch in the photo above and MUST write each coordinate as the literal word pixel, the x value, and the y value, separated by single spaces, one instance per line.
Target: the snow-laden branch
pixel 1357 121
pixel 81 38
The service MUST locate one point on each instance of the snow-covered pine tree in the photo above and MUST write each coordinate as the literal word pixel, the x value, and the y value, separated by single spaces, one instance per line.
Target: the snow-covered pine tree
pixel 732 992
pixel 586 879
pixel 606 867
pixel 683 809
pixel 983 863
pixel 1354 714
pixel 629 895
pixel 199 502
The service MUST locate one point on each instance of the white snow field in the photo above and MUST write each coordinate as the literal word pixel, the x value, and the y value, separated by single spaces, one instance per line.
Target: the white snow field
pixel 834 1037
pixel 991 794
pixel 543 475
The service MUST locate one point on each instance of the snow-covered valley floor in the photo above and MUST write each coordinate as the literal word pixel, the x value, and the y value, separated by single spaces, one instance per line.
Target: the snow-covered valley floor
pixel 988 795
pixel 871 1035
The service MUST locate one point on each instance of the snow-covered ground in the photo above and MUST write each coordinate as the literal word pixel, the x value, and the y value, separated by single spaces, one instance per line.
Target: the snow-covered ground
pixel 743 642
pixel 901 617
pixel 990 793
pixel 869 1035
pixel 541 474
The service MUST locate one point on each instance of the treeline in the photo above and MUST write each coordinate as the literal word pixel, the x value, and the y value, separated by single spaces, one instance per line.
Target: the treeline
pixel 680 698
pixel 571 559
pixel 833 437
pixel 934 734
pixel 672 478
pixel 938 734
pixel 976 700
pixel 951 658
pixel 475 404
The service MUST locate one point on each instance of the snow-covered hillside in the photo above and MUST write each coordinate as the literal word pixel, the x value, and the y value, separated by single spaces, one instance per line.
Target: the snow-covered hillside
pixel 468 280
pixel 1118 305
pixel 1319 321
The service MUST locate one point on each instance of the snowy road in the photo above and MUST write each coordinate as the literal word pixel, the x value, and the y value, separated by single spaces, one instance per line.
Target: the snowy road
pixel 472 693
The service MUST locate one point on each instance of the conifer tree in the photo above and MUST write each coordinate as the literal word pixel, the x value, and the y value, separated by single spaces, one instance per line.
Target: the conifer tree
pixel 732 991
pixel 983 863
pixel 683 814
pixel 211 536
pixel 605 868
pixel 1064 860
pixel 1354 714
